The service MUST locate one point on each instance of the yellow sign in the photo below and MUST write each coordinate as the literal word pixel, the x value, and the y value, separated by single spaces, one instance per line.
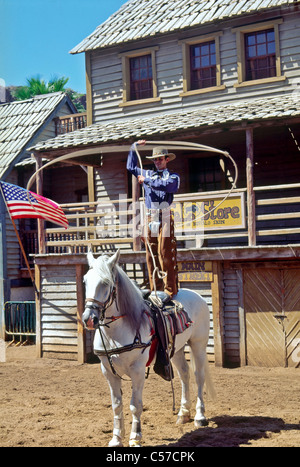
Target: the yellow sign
pixel 210 213
pixel 195 271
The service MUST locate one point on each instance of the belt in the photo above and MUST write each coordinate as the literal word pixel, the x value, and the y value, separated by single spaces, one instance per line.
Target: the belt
pixel 155 212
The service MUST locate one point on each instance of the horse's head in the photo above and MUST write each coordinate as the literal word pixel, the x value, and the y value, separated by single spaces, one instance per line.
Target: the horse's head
pixel 99 287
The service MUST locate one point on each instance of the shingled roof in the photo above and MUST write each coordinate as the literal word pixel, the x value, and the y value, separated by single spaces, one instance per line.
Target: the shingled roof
pixel 21 122
pixel 138 19
pixel 128 129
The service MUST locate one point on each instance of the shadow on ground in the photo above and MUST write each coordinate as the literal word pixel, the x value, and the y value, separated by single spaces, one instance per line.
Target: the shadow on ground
pixel 226 431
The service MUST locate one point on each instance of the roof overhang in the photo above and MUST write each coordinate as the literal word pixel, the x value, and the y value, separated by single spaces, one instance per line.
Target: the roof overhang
pixel 88 145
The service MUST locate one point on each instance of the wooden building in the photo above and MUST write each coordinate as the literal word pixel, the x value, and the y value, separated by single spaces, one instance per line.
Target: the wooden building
pixel 223 74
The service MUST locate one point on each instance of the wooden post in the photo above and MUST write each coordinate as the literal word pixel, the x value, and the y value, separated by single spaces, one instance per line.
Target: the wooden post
pixel 91 187
pixel 38 312
pixel 89 96
pixel 135 201
pixel 3 266
pixel 242 318
pixel 250 191
pixel 217 308
pixel 80 309
pixel 89 120
pixel 39 191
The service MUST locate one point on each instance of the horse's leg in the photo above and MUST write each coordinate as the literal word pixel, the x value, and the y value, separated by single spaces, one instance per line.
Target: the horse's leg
pixel 199 356
pixel 114 382
pixel 182 367
pixel 136 405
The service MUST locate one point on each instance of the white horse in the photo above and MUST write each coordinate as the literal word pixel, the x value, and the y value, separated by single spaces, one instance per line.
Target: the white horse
pixel 116 309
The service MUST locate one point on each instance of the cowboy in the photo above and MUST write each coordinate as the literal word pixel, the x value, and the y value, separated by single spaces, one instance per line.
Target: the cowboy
pixel 159 188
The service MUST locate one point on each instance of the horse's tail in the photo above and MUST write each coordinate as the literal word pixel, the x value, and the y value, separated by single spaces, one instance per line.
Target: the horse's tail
pixel 210 388
pixel 209 382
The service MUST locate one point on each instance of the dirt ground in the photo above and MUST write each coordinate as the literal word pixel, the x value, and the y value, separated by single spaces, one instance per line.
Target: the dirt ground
pixel 55 403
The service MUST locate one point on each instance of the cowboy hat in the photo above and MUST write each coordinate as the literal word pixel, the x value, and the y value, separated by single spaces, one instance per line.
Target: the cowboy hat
pixel 160 151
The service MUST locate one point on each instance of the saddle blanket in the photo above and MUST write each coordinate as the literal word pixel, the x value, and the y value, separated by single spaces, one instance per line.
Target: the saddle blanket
pixel 176 321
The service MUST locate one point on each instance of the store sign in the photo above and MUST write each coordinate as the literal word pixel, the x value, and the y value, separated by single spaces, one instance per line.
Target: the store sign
pixel 195 271
pixel 210 213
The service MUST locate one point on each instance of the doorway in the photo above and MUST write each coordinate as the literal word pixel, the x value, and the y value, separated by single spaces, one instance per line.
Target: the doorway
pixel 272 315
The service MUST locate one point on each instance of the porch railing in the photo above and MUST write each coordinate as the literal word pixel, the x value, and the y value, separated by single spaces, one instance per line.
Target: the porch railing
pixel 68 123
pixel 107 224
pixel 278 211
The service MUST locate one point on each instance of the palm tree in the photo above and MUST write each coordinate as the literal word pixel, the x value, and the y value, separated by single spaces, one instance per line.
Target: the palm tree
pixel 36 86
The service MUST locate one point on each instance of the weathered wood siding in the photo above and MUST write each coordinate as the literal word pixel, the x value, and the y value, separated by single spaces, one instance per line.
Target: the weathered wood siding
pixel 204 289
pixel 64 184
pixel 49 131
pixel 106 73
pixel 12 245
pixel 58 320
pixel 231 322
pixel 111 178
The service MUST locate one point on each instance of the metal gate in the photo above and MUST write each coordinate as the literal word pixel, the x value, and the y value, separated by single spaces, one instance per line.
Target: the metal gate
pixel 20 319
pixel 272 311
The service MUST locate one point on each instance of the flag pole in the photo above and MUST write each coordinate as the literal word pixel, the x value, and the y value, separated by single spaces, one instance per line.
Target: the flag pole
pixel 21 245
pixel 24 255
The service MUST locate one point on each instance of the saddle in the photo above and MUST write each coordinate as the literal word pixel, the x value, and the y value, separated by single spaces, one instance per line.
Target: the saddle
pixel 169 319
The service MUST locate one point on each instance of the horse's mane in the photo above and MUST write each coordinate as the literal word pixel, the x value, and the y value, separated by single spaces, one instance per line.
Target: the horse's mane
pixel 129 298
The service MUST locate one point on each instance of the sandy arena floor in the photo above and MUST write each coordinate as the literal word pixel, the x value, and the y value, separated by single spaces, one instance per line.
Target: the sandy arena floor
pixel 61 403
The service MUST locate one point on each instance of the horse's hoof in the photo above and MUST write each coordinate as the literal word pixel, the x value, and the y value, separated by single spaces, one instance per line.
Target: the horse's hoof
pixel 116 442
pixel 200 423
pixel 135 443
pixel 182 419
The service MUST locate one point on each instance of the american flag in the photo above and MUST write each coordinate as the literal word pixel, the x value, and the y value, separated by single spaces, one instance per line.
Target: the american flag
pixel 26 204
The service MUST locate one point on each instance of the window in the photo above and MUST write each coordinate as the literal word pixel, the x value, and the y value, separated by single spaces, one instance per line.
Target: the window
pixel 139 77
pixel 206 174
pixel 258 54
pixel 201 65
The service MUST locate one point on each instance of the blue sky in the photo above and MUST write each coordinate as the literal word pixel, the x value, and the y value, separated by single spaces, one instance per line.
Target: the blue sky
pixel 37 35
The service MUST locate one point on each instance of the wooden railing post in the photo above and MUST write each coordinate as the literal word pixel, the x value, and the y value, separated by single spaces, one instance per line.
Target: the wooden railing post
pixel 250 191
pixel 217 309
pixel 39 190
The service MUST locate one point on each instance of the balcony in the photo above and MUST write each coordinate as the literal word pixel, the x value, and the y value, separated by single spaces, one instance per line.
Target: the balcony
pixel 68 123
pixel 107 225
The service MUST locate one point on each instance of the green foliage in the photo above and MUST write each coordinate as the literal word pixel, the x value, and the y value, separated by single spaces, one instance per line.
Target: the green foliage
pixel 79 100
pixel 36 86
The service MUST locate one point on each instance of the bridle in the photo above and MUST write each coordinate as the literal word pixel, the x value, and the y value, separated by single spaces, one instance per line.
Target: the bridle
pixel 101 307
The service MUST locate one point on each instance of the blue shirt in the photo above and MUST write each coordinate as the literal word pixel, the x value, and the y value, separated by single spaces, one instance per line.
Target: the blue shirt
pixel 159 186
